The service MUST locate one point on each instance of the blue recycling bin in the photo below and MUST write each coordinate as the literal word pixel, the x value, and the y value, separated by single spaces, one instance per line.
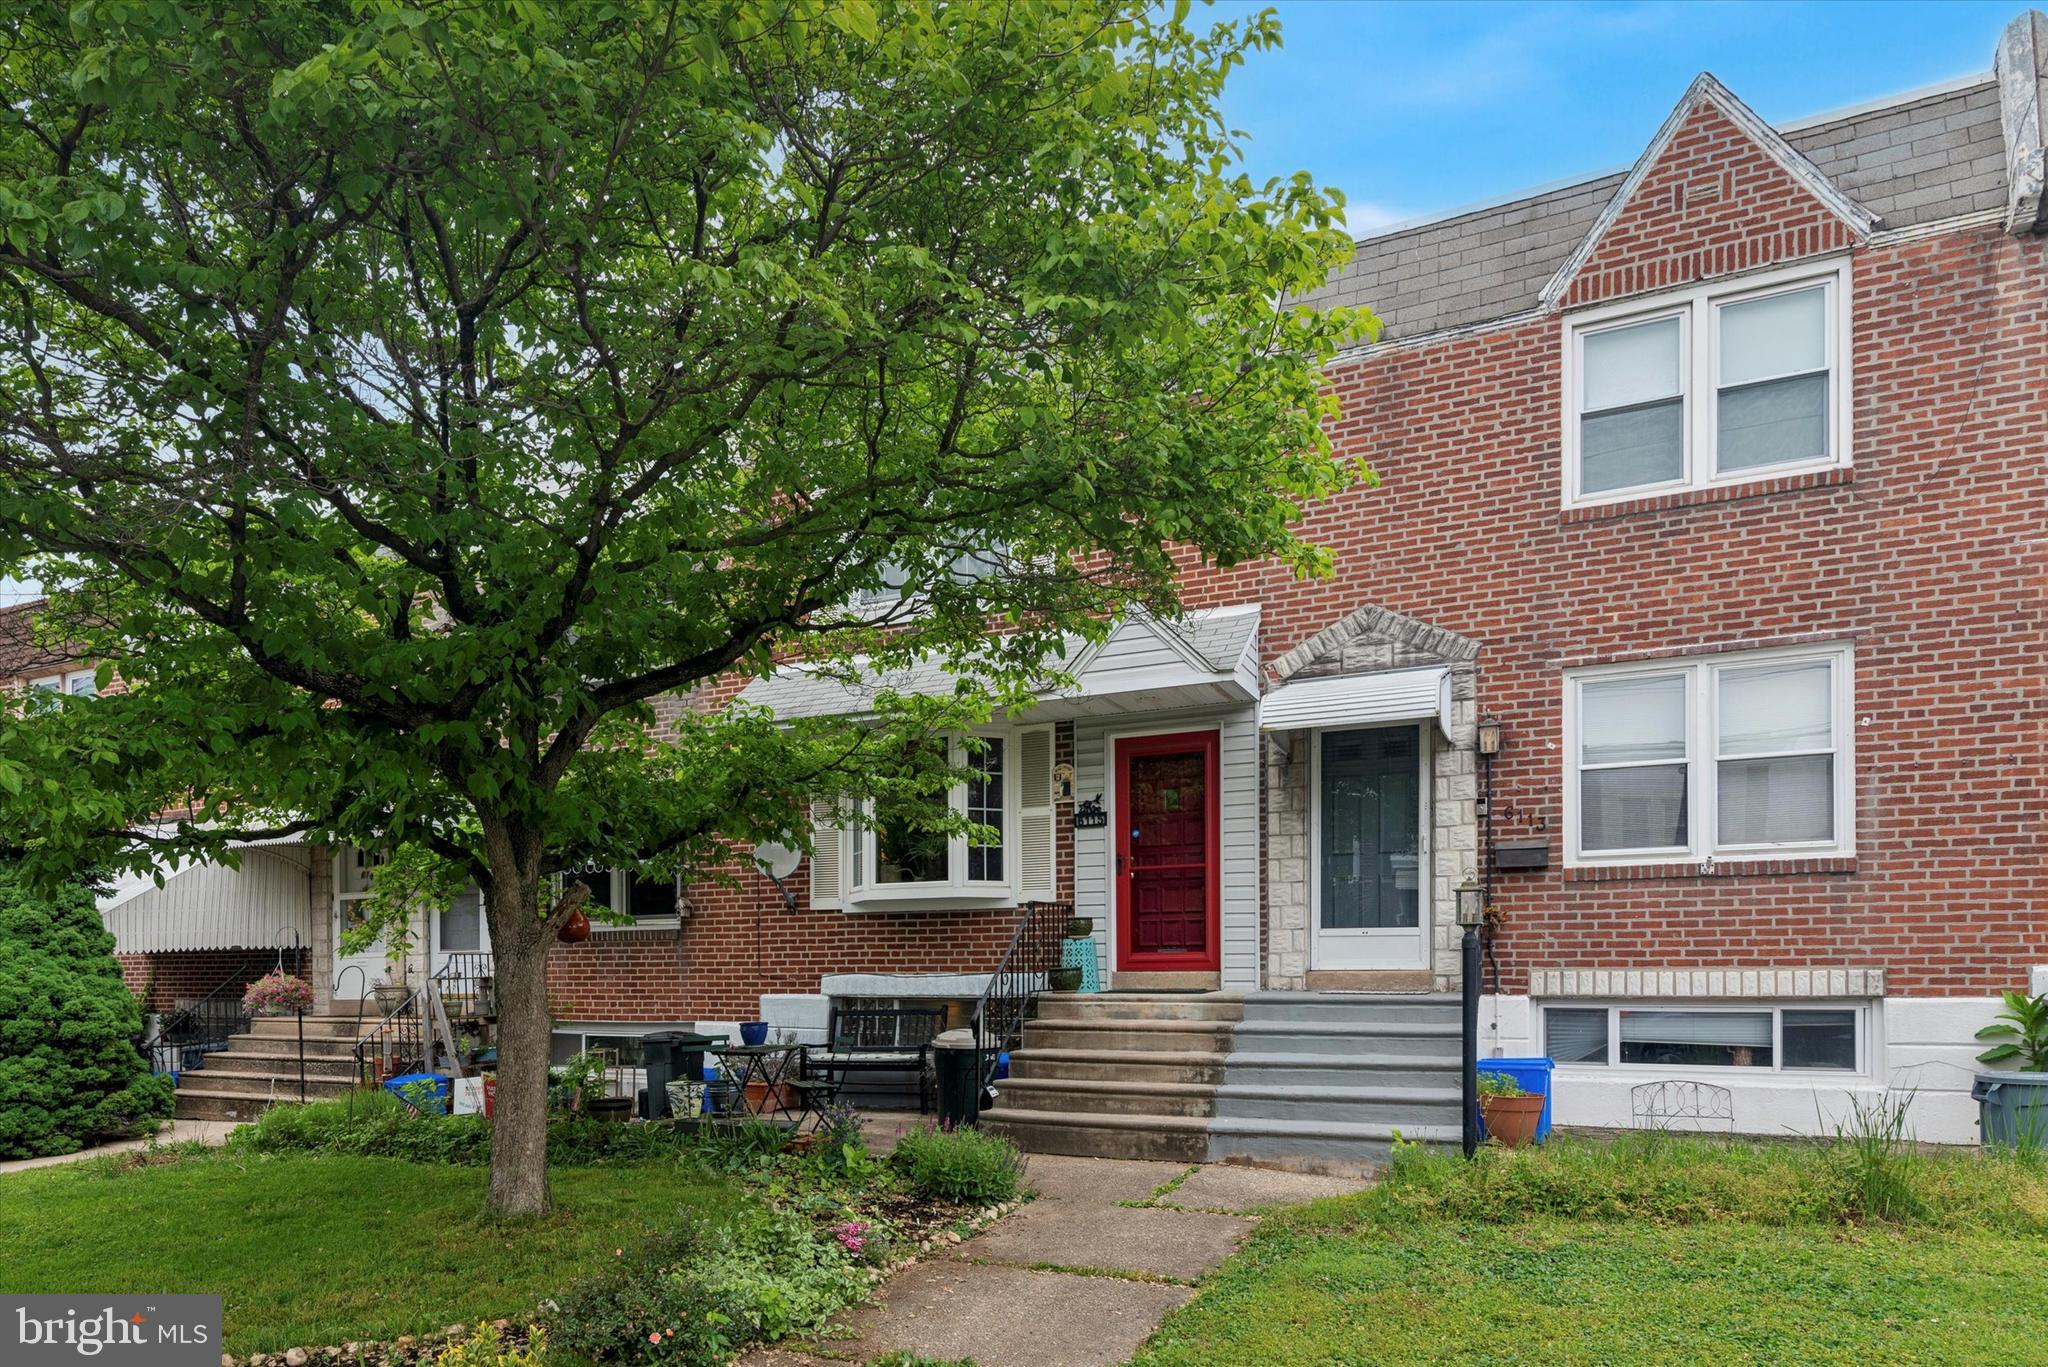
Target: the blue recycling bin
pixel 1532 1075
pixel 438 1106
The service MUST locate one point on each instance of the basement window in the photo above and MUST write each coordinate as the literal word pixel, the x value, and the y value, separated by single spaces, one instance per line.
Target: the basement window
pixel 1761 1037
pixel 1714 386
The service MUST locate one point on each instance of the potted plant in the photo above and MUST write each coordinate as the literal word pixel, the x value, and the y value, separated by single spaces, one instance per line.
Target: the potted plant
pixel 1066 978
pixel 278 993
pixel 2012 1106
pixel 390 995
pixel 1080 927
pixel 1510 1114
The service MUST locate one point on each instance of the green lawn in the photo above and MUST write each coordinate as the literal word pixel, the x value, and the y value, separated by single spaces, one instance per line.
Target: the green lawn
pixel 1444 1268
pixel 320 1250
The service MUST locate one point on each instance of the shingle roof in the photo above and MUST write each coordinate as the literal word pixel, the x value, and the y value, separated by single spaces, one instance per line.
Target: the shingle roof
pixel 1927 156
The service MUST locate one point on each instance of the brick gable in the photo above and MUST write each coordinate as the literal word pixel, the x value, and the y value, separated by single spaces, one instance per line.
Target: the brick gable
pixel 1716 194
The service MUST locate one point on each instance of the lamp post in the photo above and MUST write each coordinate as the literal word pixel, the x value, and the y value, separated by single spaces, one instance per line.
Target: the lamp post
pixel 1471 911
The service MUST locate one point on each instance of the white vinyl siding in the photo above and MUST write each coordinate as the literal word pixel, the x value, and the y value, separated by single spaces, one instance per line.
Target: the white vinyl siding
pixel 1742 755
pixel 1717 385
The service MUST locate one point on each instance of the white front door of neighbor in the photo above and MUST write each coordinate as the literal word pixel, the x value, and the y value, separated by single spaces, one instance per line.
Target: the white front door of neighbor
pixel 352 868
pixel 1369 847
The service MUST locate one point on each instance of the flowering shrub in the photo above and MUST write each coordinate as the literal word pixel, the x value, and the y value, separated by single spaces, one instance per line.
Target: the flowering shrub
pixel 278 994
pixel 852 1236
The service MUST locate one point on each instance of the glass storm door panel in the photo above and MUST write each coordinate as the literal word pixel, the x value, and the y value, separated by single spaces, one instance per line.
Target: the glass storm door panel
pixel 1167 853
pixel 1371 859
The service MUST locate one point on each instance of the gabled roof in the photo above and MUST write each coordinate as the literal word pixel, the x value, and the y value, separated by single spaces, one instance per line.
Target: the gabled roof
pixel 1706 90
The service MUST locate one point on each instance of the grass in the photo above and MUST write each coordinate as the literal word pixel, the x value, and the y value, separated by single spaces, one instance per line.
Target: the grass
pixel 1672 1251
pixel 317 1250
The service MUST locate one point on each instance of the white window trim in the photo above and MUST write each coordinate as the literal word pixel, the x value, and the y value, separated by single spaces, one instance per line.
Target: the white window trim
pixel 1701 673
pixel 957 890
pixel 66 683
pixel 1865 1039
pixel 620 884
pixel 1699 371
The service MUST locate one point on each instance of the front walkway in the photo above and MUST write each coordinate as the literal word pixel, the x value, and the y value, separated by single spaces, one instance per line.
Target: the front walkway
pixel 1079 1277
pixel 175 1132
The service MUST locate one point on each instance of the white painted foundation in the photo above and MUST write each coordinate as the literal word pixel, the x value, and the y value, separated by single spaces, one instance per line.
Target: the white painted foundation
pixel 1918 1045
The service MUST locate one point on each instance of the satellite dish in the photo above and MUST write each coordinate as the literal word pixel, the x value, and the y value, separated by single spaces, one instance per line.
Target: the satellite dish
pixel 776 859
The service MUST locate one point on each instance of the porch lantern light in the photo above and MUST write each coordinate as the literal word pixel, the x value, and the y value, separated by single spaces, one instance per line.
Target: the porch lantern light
pixel 1489 735
pixel 1471 903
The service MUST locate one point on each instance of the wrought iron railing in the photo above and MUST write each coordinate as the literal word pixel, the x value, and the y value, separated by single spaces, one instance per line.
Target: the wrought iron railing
pixel 395 1045
pixel 187 1034
pixel 1012 994
pixel 466 986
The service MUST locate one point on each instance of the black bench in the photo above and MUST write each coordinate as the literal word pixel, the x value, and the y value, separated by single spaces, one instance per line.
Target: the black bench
pixel 877 1040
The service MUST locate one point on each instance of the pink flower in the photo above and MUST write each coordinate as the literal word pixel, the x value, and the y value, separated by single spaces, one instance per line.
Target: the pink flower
pixel 654 1337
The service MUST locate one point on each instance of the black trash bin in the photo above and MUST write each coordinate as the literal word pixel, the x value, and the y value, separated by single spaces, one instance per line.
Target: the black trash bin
pixel 957 1060
pixel 670 1056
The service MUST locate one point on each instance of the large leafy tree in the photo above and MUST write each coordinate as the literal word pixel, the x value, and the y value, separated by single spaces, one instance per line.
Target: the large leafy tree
pixel 407 398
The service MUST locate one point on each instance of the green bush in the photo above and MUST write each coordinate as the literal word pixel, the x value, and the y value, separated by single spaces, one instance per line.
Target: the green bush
pixel 696 1294
pixel 70 1074
pixel 383 1127
pixel 964 1165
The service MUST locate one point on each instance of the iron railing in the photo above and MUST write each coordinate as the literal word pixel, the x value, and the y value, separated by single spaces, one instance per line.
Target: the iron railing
pixel 186 1035
pixel 1012 994
pixel 396 1044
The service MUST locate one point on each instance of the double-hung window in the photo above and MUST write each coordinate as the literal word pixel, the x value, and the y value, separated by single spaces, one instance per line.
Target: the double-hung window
pixel 1744 755
pixel 1721 385
pixel 76 683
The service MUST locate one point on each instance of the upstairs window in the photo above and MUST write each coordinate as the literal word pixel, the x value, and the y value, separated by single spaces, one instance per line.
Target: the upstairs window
pixel 1738 382
pixel 1743 755
pixel 76 683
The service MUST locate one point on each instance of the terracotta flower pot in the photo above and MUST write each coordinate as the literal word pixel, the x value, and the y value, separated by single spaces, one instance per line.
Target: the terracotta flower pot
pixel 763 1097
pixel 1511 1119
pixel 575 930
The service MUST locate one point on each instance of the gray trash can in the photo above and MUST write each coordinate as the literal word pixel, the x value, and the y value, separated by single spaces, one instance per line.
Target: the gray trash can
pixel 670 1056
pixel 957 1060
pixel 2012 1109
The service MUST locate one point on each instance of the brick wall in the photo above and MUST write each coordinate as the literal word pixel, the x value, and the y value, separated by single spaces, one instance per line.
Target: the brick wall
pixel 1929 556
pixel 738 943
pixel 1713 203
pixel 160 981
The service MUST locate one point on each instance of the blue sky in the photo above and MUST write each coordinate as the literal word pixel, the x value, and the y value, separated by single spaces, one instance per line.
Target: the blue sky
pixel 1415 108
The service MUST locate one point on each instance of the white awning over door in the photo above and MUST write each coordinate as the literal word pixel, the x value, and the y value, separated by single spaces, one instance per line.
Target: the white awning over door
pixel 211 906
pixel 1360 700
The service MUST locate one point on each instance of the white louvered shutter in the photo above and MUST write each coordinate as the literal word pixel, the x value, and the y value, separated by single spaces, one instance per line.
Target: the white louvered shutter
pixel 828 858
pixel 1037 854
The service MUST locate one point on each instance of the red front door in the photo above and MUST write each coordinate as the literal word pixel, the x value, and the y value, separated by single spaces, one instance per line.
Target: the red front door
pixel 1166 853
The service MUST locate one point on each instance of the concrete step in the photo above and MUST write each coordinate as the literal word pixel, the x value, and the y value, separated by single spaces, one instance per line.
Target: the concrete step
pixel 315 1026
pixel 1408 1039
pixel 1122 1097
pixel 1167 1138
pixel 1357 1008
pixel 1106 1065
pixel 193 1104
pixel 1339 1105
pixel 1133 1036
pixel 1133 1006
pixel 317 1065
pixel 322 1046
pixel 1316 1145
pixel 281 1084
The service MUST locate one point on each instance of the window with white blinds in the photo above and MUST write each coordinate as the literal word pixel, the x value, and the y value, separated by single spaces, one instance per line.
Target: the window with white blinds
pixel 1716 385
pixel 1776 1038
pixel 1734 755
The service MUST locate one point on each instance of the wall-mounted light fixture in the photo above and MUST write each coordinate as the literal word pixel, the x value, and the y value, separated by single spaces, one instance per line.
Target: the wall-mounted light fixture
pixel 1471 903
pixel 1489 735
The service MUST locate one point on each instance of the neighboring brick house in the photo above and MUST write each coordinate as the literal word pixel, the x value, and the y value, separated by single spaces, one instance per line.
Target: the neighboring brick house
pixel 1718 484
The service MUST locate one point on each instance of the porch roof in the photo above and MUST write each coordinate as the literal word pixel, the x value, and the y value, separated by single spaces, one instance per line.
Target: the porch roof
pixel 1146 663
pixel 211 906
pixel 1360 700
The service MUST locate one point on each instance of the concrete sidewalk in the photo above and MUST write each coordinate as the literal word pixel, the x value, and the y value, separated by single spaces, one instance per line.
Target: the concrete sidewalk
pixel 1078 1278
pixel 177 1132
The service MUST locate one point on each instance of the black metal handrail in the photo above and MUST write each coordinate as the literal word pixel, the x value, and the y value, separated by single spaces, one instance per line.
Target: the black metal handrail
pixel 1012 994
pixel 396 1044
pixel 187 1034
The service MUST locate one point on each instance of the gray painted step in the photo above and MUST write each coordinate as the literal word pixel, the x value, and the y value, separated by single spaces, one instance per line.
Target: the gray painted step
pixel 317 1065
pixel 1407 1039
pixel 1315 1145
pixel 1337 1070
pixel 1339 1105
pixel 1115 1097
pixel 1334 1008
pixel 1101 1007
pixel 281 1085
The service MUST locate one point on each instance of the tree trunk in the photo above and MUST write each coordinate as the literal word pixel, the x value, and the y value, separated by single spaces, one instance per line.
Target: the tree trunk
pixel 519 1125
